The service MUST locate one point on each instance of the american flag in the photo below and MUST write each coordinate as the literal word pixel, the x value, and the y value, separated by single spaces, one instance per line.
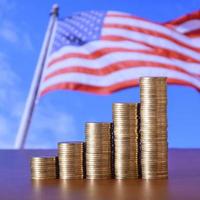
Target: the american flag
pixel 103 52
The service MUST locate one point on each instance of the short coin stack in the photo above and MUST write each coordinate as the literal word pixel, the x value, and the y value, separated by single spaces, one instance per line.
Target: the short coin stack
pixel 71 162
pixel 153 112
pixel 98 150
pixel 44 167
pixel 125 119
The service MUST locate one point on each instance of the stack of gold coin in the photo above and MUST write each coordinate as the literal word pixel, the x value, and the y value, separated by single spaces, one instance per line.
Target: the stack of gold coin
pixel 71 160
pixel 153 112
pixel 44 167
pixel 112 151
pixel 125 119
pixel 98 150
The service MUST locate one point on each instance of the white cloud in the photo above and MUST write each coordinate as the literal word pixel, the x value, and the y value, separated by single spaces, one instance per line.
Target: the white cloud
pixel 6 6
pixel 49 127
pixel 4 127
pixel 9 82
pixel 27 42
pixel 9 31
pixel 15 35
pixel 10 97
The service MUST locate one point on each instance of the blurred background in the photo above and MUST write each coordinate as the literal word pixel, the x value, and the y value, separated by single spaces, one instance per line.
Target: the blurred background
pixel 60 115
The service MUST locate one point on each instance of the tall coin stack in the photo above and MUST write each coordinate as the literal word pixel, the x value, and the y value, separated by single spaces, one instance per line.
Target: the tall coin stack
pixel 125 119
pixel 98 150
pixel 153 112
pixel 44 168
pixel 71 162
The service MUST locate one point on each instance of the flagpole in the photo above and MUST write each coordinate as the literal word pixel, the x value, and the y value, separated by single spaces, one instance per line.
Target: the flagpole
pixel 30 102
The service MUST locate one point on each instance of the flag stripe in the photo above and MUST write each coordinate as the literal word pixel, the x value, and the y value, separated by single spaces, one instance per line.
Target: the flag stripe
pixel 95 49
pixel 102 52
pixel 109 89
pixel 152 33
pixel 114 58
pixel 188 26
pixel 111 44
pixel 117 77
pixel 93 46
pixel 157 42
pixel 150 27
pixel 193 34
pixel 185 18
pixel 164 50
pixel 116 67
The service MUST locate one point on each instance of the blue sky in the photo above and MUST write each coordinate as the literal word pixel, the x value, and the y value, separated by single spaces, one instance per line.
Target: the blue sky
pixel 60 116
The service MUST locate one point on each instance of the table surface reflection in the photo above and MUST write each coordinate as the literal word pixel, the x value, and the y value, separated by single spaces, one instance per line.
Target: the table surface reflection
pixel 183 182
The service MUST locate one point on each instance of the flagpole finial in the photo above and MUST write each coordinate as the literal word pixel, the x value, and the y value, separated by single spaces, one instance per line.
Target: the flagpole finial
pixel 54 10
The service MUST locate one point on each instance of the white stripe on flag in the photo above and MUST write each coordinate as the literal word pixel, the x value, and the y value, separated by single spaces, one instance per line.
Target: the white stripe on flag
pixel 188 26
pixel 151 40
pixel 150 26
pixel 113 58
pixel 91 47
pixel 117 77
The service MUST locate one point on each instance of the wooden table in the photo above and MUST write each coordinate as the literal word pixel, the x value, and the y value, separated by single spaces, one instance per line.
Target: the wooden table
pixel 183 182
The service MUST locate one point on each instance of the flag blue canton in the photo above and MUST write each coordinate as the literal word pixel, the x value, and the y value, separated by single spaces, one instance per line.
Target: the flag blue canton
pixel 78 29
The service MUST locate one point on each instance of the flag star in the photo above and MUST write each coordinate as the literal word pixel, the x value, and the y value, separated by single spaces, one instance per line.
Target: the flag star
pixel 100 14
pixel 66 34
pixel 79 34
pixel 85 29
pixel 76 23
pixel 85 14
pixel 83 38
pixel 94 37
pixel 67 42
pixel 87 21
pixel 76 41
pixel 71 37
pixel 67 26
pixel 98 21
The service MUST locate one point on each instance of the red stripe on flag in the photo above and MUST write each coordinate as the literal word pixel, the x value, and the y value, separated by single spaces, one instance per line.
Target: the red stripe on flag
pixel 105 51
pixel 185 18
pixel 105 70
pixel 193 34
pixel 163 50
pixel 109 89
pixel 128 16
pixel 150 32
